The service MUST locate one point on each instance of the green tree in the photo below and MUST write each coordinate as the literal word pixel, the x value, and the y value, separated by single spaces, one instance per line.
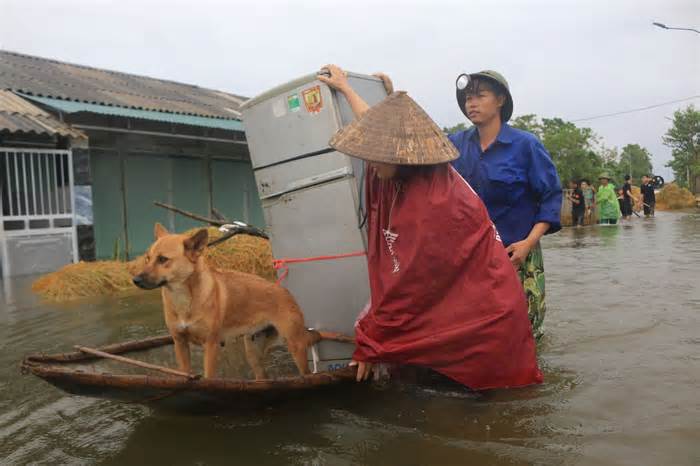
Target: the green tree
pixel 610 158
pixel 456 128
pixel 572 149
pixel 635 160
pixel 528 122
pixel 684 140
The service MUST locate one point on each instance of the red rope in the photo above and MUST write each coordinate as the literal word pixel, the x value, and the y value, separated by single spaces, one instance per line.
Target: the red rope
pixel 282 263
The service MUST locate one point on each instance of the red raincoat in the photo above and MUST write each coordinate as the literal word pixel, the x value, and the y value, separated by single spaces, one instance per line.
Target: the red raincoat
pixel 444 294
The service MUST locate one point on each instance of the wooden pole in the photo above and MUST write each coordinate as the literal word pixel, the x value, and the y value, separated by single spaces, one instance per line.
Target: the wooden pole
pixel 201 218
pixel 125 212
pixel 334 336
pixel 219 215
pixel 134 362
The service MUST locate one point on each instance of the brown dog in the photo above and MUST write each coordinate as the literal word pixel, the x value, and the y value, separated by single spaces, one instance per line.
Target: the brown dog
pixel 204 306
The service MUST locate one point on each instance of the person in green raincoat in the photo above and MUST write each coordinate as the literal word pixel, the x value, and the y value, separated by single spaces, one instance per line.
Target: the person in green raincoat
pixel 606 201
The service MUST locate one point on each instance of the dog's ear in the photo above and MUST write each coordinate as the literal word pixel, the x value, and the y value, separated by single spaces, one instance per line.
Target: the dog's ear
pixel 159 231
pixel 197 242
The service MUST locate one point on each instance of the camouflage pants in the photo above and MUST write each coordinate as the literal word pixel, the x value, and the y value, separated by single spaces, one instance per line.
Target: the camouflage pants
pixel 531 275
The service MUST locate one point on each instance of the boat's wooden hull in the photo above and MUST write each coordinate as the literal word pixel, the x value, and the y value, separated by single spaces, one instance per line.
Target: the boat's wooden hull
pixel 60 370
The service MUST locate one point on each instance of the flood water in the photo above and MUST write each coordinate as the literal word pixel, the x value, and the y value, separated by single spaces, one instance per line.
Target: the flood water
pixel 621 360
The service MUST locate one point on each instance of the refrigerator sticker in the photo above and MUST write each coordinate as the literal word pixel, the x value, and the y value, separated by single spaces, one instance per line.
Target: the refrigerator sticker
pixel 278 108
pixel 312 99
pixel 293 103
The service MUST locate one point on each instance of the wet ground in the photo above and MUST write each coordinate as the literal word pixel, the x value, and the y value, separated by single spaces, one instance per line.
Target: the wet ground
pixel 621 361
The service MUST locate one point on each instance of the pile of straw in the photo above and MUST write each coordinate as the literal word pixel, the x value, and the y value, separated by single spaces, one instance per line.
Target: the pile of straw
pixel 84 279
pixel 242 253
pixel 673 197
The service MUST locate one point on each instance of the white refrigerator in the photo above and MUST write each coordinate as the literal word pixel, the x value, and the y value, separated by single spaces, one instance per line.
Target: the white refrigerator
pixel 312 198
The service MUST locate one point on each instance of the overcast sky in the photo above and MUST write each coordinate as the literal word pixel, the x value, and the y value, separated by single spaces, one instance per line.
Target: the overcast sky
pixel 571 59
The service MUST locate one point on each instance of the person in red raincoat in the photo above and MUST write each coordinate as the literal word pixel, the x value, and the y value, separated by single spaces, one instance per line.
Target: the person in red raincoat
pixel 444 294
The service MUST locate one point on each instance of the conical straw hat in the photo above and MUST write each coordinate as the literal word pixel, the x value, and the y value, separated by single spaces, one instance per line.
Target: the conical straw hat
pixel 396 131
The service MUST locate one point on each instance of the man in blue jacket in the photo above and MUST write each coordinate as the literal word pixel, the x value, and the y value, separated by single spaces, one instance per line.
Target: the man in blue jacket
pixel 513 174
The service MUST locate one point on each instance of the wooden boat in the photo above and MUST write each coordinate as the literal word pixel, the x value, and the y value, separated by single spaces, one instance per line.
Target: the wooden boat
pixel 78 373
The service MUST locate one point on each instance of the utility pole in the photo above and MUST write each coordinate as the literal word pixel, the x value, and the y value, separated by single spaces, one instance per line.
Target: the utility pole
pixel 663 26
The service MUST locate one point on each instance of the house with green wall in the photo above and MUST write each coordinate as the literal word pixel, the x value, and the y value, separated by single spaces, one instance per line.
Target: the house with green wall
pixel 132 140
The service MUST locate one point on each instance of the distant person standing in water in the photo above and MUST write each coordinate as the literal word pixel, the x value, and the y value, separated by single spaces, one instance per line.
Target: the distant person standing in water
pixel 627 198
pixel 589 198
pixel 621 202
pixel 648 196
pixel 578 204
pixel 606 201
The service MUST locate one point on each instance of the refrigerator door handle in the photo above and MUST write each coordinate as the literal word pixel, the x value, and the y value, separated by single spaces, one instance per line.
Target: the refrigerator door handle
pixel 311 181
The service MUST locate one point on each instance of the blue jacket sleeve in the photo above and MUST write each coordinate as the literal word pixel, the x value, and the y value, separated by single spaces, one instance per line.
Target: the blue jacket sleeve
pixel 463 164
pixel 544 180
pixel 458 164
pixel 454 137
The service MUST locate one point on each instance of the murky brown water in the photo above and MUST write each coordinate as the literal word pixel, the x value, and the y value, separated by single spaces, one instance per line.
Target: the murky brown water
pixel 621 361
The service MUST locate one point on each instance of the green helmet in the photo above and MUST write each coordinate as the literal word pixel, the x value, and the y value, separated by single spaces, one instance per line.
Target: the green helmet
pixel 604 175
pixel 495 76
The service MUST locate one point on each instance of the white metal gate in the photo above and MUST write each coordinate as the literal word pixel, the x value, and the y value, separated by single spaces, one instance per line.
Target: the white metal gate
pixel 37 214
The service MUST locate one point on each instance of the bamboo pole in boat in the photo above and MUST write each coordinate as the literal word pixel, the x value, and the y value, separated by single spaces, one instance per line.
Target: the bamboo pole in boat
pixel 201 218
pixel 335 336
pixel 134 362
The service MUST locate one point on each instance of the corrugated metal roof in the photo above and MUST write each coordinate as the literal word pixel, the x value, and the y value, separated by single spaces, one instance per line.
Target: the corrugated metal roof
pixel 19 116
pixel 74 107
pixel 50 78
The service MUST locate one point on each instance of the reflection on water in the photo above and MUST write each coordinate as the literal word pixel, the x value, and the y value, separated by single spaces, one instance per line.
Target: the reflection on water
pixel 620 360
